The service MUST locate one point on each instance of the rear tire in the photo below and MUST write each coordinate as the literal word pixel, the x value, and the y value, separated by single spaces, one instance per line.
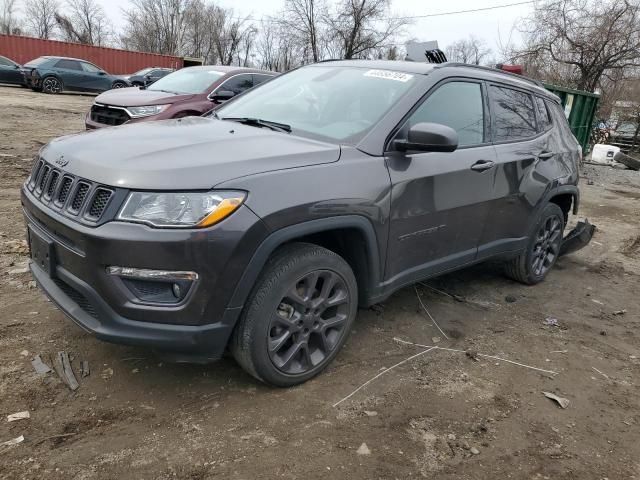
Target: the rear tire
pixel 297 317
pixel 52 85
pixel 543 248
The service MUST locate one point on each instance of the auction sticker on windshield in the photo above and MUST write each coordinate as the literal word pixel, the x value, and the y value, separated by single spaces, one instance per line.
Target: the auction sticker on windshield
pixel 389 75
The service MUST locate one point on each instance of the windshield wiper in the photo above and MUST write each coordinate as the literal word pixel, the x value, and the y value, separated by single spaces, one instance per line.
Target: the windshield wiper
pixel 258 122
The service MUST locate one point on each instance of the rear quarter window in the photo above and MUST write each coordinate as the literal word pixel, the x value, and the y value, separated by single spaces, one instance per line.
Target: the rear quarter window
pixel 513 114
pixel 544 118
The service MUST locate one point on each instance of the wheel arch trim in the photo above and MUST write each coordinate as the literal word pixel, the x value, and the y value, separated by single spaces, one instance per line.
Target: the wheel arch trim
pixel 564 190
pixel 286 234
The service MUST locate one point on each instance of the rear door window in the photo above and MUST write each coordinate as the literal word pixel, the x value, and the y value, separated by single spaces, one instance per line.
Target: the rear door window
pixel 89 68
pixel 458 105
pixel 513 114
pixel 68 64
pixel 544 119
pixel 237 84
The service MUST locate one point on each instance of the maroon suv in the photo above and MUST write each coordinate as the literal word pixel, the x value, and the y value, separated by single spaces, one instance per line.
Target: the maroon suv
pixel 189 91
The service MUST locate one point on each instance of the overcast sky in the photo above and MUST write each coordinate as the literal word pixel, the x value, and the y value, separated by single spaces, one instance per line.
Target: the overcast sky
pixel 489 25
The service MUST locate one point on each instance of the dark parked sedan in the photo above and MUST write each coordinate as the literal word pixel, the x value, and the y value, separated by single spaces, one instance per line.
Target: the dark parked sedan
pixel 57 74
pixel 188 91
pixel 147 76
pixel 10 72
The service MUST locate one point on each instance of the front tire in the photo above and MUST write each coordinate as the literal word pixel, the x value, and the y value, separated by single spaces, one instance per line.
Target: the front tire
pixel 52 85
pixel 118 85
pixel 297 317
pixel 543 248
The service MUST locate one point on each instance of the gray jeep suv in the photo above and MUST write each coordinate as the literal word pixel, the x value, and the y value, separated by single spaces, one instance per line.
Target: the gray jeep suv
pixel 261 228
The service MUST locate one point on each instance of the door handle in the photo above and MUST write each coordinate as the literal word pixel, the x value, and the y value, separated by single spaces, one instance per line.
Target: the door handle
pixel 482 165
pixel 546 155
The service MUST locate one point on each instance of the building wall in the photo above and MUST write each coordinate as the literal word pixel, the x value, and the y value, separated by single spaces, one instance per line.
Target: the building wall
pixel 22 49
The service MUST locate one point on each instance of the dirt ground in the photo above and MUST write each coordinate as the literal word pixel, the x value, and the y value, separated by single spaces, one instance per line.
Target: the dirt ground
pixel 443 414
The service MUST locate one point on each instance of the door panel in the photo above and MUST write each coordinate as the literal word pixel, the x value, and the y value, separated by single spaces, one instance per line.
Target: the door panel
pixel 439 202
pixel 9 72
pixel 522 177
pixel 71 73
pixel 439 205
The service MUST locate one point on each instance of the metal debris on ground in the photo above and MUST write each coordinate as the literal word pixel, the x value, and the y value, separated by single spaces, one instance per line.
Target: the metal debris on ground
pixel 551 322
pixel 386 370
pixel 107 373
pixel 18 416
pixel 84 368
pixel 62 366
pixel 429 314
pixel 13 441
pixel 473 355
pixel 551 372
pixel 563 402
pixel 601 373
pixel 620 312
pixel 363 450
pixel 39 366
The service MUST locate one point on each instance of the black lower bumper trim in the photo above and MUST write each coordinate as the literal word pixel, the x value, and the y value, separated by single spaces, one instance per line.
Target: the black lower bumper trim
pixel 578 238
pixel 200 344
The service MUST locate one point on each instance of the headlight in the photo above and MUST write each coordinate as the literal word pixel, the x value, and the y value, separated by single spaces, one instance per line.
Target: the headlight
pixel 146 110
pixel 175 209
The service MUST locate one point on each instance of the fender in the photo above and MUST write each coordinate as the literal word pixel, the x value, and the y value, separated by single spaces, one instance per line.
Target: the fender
pixel 563 189
pixel 279 237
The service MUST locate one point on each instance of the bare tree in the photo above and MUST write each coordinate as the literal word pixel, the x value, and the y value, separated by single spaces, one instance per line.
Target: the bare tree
pixel 304 22
pixel 274 48
pixel 360 27
pixel 230 32
pixel 9 23
pixel 85 22
pixel 40 17
pixel 583 40
pixel 470 50
pixel 156 25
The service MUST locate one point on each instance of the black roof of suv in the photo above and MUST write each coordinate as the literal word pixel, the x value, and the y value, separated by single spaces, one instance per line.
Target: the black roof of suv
pixel 262 227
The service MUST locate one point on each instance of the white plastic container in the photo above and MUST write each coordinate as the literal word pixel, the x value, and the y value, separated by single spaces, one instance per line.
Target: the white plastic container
pixel 603 154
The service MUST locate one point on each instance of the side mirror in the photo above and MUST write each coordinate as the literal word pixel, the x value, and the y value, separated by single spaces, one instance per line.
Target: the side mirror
pixel 429 137
pixel 102 73
pixel 221 96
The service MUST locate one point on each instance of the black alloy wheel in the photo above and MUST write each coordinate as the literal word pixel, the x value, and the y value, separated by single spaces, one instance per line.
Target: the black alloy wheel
pixel 309 322
pixel 546 246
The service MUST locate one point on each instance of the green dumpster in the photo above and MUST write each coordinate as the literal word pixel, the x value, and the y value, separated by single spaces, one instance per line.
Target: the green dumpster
pixel 579 108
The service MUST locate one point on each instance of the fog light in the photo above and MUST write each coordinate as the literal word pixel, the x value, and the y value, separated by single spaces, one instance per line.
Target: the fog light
pixel 155 286
pixel 129 272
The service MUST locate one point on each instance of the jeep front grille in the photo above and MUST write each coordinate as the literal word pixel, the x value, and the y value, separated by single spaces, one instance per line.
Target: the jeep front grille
pixel 68 194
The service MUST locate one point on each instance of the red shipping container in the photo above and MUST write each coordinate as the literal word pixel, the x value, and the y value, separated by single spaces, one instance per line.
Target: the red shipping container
pixel 22 49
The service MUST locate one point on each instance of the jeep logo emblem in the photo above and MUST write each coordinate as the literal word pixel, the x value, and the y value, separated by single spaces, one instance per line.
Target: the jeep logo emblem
pixel 61 162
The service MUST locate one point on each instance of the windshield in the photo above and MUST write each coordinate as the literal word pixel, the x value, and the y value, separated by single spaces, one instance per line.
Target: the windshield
pixel 144 71
pixel 187 80
pixel 35 62
pixel 332 102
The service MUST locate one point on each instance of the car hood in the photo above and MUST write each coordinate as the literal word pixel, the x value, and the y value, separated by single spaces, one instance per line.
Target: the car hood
pixel 134 96
pixel 189 153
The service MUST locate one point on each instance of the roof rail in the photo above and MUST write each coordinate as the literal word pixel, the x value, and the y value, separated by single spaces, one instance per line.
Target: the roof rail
pixel 537 83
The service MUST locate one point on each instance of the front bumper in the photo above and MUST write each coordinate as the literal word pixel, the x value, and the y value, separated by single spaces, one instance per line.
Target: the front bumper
pixel 196 329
